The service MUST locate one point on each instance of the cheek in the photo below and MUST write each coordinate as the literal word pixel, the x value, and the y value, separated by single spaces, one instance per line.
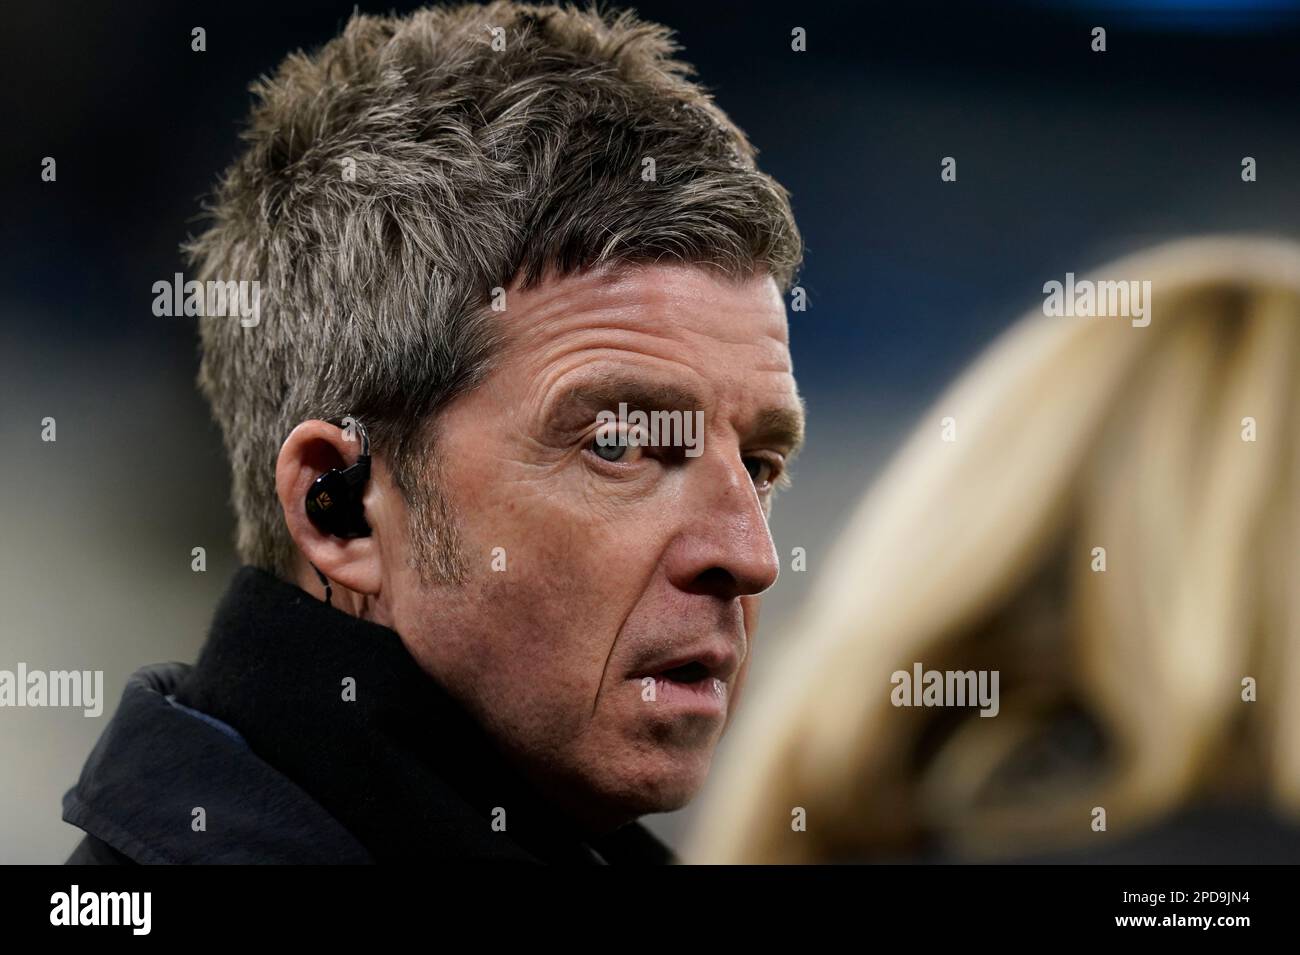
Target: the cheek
pixel 531 631
pixel 553 576
pixel 563 564
pixel 751 605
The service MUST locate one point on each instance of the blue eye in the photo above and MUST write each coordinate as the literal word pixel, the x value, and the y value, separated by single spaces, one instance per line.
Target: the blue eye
pixel 616 445
pixel 608 452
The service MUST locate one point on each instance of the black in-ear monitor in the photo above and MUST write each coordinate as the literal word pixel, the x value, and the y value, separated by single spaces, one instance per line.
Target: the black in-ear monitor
pixel 334 499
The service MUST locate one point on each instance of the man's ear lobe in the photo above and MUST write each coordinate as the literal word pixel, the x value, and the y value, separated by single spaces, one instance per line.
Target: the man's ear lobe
pixel 313 448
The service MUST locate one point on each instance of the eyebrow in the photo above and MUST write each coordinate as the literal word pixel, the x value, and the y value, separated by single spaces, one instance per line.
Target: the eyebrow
pixel 606 393
pixel 781 427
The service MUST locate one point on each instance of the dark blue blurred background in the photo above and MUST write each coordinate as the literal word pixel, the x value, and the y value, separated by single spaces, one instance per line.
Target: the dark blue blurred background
pixel 1065 158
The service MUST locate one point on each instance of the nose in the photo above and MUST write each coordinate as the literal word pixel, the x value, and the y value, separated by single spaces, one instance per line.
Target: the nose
pixel 724 548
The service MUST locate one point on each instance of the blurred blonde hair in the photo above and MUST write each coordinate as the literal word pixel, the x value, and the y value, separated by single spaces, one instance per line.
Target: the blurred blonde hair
pixel 1072 434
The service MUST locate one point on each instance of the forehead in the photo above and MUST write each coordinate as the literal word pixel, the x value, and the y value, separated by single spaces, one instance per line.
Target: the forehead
pixel 653 315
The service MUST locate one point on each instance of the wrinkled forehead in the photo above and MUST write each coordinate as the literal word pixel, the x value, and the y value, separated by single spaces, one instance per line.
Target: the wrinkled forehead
pixel 685 303
pixel 670 338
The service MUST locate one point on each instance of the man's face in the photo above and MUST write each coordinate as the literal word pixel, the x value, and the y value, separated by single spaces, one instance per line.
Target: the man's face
pixel 604 632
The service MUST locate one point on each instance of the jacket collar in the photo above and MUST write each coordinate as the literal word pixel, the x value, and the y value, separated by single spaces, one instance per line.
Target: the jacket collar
pixel 155 764
pixel 396 761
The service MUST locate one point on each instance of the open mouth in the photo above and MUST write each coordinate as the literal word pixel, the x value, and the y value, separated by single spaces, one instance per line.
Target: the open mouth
pixel 688 689
pixel 692 672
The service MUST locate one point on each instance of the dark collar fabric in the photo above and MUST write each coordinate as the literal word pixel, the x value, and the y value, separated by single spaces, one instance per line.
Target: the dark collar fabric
pixel 339 706
pixel 159 766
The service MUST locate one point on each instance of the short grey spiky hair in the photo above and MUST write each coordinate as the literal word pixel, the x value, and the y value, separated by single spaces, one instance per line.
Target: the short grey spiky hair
pixel 395 177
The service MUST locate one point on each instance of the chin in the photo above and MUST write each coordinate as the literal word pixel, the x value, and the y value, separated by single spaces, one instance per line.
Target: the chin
pixel 660 782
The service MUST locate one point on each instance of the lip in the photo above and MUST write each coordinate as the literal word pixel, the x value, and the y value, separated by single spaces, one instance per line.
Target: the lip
pixel 707 697
pixel 719 659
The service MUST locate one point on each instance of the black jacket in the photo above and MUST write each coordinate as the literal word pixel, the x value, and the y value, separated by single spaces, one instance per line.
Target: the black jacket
pixel 258 742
